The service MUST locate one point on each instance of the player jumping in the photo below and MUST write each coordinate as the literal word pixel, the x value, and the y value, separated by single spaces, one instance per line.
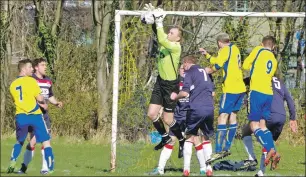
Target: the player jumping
pixel 167 82
pixel 274 123
pixel 262 65
pixel 233 92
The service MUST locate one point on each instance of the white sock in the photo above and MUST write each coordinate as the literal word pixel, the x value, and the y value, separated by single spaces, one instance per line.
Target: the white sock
pixel 44 162
pixel 28 156
pixel 262 162
pixel 248 145
pixel 187 155
pixel 200 156
pixel 207 148
pixel 164 157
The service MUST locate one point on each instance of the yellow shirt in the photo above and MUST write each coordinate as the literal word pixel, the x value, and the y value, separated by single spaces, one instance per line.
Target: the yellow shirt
pixel 262 65
pixel 229 59
pixel 24 90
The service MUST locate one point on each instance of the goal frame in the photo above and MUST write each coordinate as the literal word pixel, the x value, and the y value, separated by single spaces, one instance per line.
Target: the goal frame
pixel 116 62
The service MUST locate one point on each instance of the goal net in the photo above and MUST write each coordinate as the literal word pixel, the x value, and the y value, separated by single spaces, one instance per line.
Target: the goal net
pixel 135 72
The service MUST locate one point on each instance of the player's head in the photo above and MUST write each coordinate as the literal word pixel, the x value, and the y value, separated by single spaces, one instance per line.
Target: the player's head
pixel 223 40
pixel 182 71
pixel 25 67
pixel 269 42
pixel 175 34
pixel 188 61
pixel 40 66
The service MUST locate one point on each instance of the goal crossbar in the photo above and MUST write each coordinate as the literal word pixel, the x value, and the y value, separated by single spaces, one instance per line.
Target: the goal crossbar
pixel 119 13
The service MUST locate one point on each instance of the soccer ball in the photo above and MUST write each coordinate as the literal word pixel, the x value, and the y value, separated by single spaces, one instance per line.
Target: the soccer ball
pixel 147 18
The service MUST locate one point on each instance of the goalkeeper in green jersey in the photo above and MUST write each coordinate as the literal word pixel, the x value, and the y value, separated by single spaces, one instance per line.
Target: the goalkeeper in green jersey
pixel 167 81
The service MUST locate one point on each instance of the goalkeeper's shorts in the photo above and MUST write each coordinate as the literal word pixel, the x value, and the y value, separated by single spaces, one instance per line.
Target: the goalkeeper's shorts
pixel 161 94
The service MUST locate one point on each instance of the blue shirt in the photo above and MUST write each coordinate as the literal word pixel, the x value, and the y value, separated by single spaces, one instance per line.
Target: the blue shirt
pixel 199 86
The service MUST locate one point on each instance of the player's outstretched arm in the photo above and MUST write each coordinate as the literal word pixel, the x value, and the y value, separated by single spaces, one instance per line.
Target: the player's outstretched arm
pixel 292 110
pixel 55 102
pixel 218 61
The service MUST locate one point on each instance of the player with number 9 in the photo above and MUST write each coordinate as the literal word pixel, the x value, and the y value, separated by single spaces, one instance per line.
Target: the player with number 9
pixel 262 65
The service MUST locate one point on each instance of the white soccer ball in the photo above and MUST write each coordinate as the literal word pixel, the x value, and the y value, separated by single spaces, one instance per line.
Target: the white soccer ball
pixel 147 18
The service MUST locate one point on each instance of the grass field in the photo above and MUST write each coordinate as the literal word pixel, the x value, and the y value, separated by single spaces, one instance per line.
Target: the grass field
pixel 87 159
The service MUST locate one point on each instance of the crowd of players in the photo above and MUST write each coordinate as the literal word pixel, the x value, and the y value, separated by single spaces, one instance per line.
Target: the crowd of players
pixel 188 110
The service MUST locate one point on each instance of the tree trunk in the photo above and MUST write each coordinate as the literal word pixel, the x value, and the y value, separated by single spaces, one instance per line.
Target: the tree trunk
pixel 6 46
pixel 102 17
pixel 58 14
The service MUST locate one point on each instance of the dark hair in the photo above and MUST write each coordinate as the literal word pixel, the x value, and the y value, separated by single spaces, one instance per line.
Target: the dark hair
pixel 269 41
pixel 190 59
pixel 22 63
pixel 37 61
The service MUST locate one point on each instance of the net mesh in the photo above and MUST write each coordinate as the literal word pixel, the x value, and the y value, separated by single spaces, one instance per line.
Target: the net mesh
pixel 138 73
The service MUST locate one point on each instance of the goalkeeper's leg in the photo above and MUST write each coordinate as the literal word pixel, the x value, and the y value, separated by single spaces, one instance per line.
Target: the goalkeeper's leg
pixel 159 125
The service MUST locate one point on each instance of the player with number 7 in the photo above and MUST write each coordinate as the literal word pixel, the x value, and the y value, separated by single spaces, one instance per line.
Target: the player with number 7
pixel 262 65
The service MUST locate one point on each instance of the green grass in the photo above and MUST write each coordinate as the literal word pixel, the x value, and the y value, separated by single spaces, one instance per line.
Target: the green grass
pixel 79 158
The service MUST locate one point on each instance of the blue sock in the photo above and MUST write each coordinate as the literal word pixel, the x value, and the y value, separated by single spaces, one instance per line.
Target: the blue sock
pixel 49 158
pixel 220 135
pixel 269 138
pixel 261 138
pixel 16 151
pixel 231 132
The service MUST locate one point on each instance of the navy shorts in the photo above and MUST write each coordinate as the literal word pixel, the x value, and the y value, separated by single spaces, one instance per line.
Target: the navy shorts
pixel 36 121
pixel 275 124
pixel 47 121
pixel 230 102
pixel 202 119
pixel 182 124
pixel 259 106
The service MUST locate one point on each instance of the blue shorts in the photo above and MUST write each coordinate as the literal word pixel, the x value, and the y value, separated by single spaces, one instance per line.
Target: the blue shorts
pixel 36 121
pixel 275 124
pixel 47 121
pixel 259 106
pixel 200 119
pixel 230 102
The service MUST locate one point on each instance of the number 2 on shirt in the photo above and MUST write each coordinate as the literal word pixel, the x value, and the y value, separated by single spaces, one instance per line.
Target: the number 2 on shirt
pixel 20 92
pixel 204 72
pixel 269 66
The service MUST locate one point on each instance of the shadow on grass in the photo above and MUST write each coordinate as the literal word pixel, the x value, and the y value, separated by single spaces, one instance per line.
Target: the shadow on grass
pixel 173 170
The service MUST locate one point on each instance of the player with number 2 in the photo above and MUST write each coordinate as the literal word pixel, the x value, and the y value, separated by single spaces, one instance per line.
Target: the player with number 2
pixel 229 60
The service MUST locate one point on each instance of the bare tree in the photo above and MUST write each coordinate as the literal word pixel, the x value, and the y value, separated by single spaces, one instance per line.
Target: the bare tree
pixel 6 53
pixel 48 35
pixel 102 17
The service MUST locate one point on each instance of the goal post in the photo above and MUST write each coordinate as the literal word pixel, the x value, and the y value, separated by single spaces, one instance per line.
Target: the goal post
pixel 116 55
